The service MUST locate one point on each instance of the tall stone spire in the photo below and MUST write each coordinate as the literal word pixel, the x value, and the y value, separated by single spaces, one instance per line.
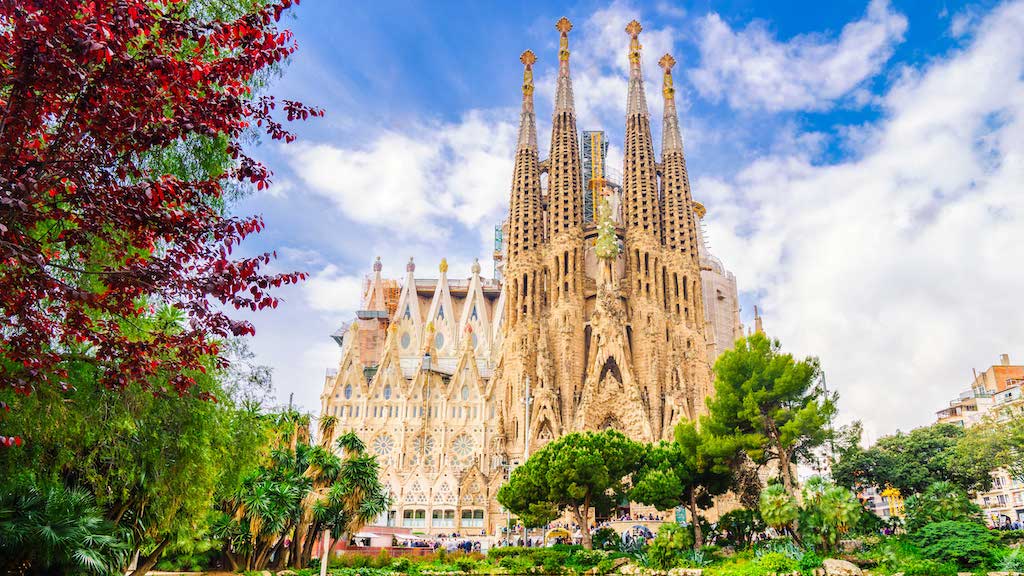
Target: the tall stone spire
pixel 680 226
pixel 524 205
pixel 637 103
pixel 527 117
pixel 563 95
pixel 565 177
pixel 639 179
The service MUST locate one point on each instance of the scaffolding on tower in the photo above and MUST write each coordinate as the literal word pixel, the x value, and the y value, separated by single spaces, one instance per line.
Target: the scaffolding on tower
pixel 595 149
pixel 596 173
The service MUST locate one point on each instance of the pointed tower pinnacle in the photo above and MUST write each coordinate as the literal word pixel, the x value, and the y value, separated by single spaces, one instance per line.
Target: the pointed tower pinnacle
pixel 670 136
pixel 563 94
pixel 637 103
pixel 640 184
pixel 527 118
pixel 525 224
pixel 565 185
pixel 680 225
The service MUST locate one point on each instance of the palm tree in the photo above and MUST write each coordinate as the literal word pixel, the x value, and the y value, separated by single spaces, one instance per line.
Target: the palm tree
pixel 778 508
pixel 347 493
pixel 301 491
pixel 58 530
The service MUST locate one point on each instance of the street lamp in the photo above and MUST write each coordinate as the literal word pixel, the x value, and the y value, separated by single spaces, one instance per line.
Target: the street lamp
pixel 426 362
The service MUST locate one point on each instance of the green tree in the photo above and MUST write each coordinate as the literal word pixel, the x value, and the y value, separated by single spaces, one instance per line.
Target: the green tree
pixel 681 473
pixel 302 490
pixel 779 509
pixel 915 460
pixel 739 526
pixel 575 473
pixel 668 547
pixel 769 405
pixel 940 502
pixel 966 543
pixel 828 513
pixel 152 464
pixel 999 439
pixel 55 530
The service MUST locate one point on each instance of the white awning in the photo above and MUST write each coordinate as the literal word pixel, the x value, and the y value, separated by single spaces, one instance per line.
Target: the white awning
pixel 408 537
pixel 366 535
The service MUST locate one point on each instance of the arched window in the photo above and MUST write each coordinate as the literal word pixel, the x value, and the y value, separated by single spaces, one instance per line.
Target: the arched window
pixel 387 392
pixel 348 391
pixel 465 392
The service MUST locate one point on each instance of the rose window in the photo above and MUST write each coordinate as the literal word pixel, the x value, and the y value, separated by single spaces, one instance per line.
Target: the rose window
pixel 383 445
pixel 463 445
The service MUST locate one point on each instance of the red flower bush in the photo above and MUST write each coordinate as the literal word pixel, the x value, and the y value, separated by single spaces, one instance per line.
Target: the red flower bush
pixel 106 257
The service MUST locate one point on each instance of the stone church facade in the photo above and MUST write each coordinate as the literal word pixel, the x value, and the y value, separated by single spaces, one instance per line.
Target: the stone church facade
pixel 596 323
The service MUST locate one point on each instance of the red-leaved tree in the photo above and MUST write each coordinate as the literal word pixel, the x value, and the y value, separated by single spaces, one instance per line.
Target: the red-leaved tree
pixel 107 258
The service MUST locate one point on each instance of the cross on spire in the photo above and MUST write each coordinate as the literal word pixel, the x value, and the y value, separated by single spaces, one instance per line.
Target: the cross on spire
pixel 666 63
pixel 563 26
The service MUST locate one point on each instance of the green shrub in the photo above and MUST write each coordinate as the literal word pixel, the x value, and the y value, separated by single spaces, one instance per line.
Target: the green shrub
pixel 382 560
pixel 869 524
pixel 1010 537
pixel 776 562
pixel 551 559
pixel 361 572
pixel 1010 560
pixel 740 567
pixel 926 567
pixel 582 560
pixel 698 558
pixel 783 546
pixel 738 526
pixel 505 551
pixel 808 562
pixel 401 564
pixel 941 502
pixel 606 539
pixel 668 547
pixel 515 564
pixel 964 543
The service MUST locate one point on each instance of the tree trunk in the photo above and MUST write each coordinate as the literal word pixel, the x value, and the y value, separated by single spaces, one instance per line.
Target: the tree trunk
pixel 581 519
pixel 232 560
pixel 259 556
pixel 150 560
pixel 786 472
pixel 304 549
pixel 698 534
pixel 279 552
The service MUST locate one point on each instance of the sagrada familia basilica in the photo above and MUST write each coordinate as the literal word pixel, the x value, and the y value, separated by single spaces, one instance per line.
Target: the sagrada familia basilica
pixel 608 313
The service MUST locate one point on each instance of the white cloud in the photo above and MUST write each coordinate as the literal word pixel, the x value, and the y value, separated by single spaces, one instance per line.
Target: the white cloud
pixel 330 290
pixel 901 267
pixel 753 70
pixel 414 182
pixel 600 68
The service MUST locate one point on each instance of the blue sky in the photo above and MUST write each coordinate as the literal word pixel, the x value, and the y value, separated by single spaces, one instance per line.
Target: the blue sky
pixel 861 162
